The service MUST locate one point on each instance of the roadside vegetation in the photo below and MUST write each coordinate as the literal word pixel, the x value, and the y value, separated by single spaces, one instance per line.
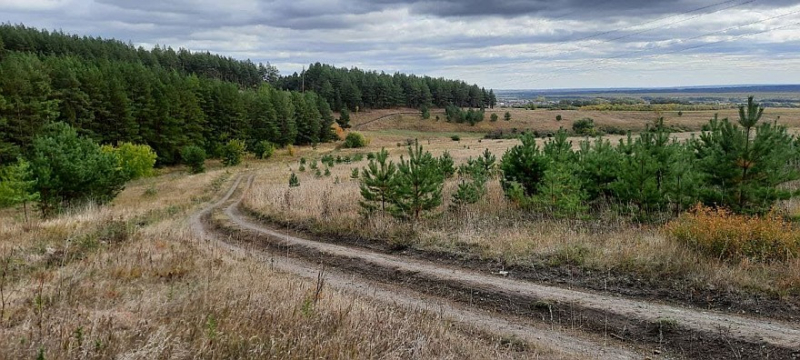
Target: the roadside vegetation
pixel 627 210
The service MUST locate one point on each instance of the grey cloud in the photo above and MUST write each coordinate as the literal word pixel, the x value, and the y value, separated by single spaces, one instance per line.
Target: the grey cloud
pixel 571 9
pixel 361 32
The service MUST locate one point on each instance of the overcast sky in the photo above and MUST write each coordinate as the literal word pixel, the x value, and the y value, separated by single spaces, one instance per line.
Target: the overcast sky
pixel 505 44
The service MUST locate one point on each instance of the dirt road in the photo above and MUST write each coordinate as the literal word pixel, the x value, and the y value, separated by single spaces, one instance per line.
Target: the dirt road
pixel 576 321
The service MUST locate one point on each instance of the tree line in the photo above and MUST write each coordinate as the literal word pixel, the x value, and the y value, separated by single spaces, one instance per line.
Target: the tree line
pixel 113 102
pixel 355 88
pixel 113 92
pixel 245 73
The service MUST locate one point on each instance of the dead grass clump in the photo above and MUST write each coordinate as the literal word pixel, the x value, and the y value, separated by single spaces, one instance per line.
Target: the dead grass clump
pixel 720 234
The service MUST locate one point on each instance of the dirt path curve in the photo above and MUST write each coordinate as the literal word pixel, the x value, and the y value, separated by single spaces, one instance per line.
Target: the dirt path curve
pixel 684 328
pixel 569 344
pixel 359 126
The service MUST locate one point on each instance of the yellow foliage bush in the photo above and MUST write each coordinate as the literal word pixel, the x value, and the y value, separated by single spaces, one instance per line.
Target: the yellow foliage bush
pixel 339 131
pixel 719 233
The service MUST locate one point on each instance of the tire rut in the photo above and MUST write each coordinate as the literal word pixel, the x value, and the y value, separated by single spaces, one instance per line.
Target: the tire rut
pixel 682 331
pixel 569 344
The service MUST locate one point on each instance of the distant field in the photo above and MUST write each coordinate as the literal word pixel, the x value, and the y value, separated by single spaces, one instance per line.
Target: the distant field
pixel 736 94
pixel 545 120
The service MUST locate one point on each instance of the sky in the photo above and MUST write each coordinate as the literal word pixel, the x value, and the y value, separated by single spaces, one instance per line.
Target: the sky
pixel 502 44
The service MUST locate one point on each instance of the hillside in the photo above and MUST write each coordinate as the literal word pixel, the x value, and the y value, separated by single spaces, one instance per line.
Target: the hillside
pixel 115 92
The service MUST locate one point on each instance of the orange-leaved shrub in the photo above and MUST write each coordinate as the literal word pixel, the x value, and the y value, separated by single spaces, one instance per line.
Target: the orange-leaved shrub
pixel 719 233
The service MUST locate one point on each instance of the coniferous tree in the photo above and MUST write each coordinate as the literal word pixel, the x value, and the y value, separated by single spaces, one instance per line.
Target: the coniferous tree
pixel 344 119
pixel 26 90
pixel 262 117
pixel 232 152
pixel 600 163
pixel 294 181
pixel 524 164
pixel 446 165
pixel 69 169
pixel 743 164
pixel 377 182
pixel 17 186
pixel 418 184
pixel 467 192
pixel 195 157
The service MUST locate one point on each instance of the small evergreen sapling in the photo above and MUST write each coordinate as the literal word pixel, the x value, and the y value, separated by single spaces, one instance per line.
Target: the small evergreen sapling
pixel 195 157
pixel 377 182
pixel 16 186
pixel 447 165
pixel 294 181
pixel 418 184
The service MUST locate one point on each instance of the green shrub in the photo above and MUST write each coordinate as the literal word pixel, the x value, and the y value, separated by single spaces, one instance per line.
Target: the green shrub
pixel 264 149
pixel 524 165
pixel 354 140
pixel 195 158
pixel 493 117
pixel 584 127
pixel 69 168
pixel 294 181
pixel 232 152
pixel 136 161
pixel 426 113
pixel 447 165
pixel 455 138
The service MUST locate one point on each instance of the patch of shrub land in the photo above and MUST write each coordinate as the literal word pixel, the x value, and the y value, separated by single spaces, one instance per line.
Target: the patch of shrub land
pixel 623 216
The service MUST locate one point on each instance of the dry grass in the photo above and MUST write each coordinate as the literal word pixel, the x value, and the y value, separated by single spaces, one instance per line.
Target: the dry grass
pixel 495 229
pixel 727 236
pixel 130 281
pixel 545 120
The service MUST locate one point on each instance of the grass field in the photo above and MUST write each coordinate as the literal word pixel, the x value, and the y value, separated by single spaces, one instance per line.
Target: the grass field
pixel 131 281
pixel 545 120
pixel 495 230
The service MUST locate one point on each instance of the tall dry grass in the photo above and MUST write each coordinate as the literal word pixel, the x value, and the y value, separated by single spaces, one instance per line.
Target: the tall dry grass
pixel 495 229
pixel 130 281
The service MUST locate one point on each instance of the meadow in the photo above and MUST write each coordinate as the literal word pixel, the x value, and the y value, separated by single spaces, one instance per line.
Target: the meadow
pixel 606 251
pixel 130 280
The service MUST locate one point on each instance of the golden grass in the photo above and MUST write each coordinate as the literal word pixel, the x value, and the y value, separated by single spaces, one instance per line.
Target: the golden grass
pixel 130 281
pixel 727 236
pixel 545 120
pixel 495 229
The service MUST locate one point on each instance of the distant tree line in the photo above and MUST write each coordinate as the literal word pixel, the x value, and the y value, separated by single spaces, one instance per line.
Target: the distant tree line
pixel 245 73
pixel 355 88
